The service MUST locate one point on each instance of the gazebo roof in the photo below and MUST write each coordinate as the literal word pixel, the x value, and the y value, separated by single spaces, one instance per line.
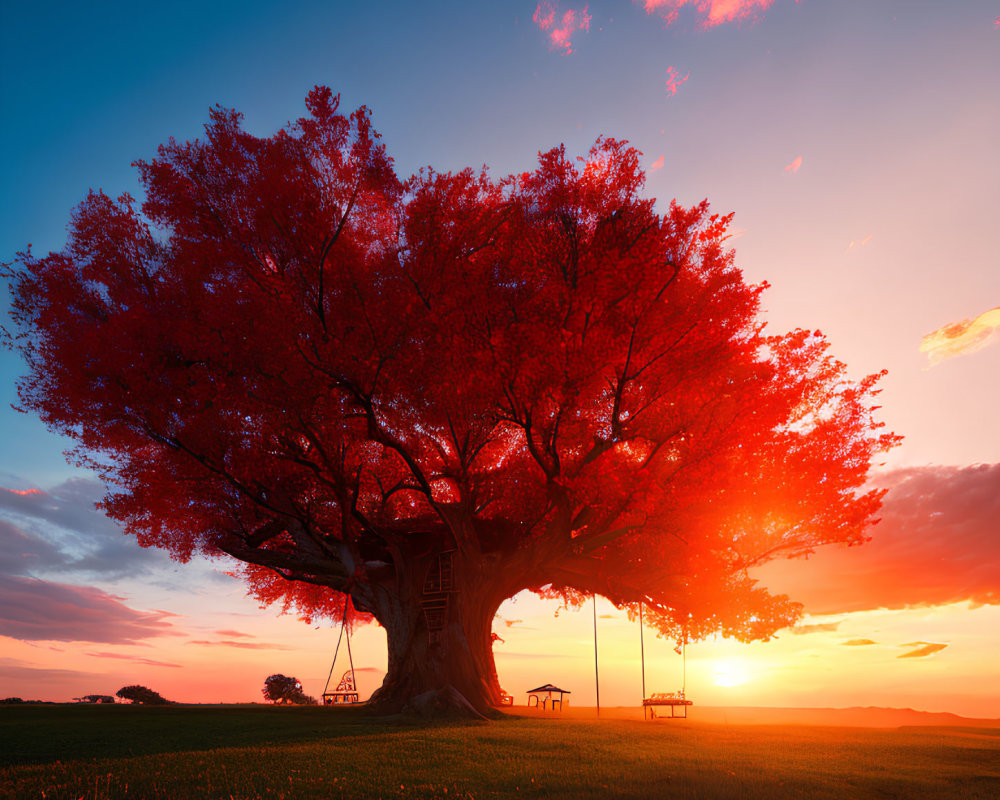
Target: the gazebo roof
pixel 549 688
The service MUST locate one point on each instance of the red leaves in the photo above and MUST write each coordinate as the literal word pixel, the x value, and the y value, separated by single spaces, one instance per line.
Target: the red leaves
pixel 319 366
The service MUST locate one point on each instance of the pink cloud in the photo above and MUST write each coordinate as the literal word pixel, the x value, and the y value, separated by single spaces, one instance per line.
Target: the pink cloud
pixel 860 243
pixel 658 164
pixel 709 13
pixel 674 80
pixel 242 645
pixel 794 166
pixel 937 543
pixel 36 610
pixel 561 27
pixel 135 659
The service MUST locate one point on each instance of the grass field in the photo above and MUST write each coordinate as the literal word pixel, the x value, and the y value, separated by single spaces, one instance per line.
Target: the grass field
pixel 235 752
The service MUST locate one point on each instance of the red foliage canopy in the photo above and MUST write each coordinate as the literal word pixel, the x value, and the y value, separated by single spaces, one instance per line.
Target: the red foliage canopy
pixel 293 358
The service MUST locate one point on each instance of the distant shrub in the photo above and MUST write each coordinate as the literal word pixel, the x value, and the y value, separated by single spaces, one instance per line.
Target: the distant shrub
pixel 142 695
pixel 284 689
pixel 95 698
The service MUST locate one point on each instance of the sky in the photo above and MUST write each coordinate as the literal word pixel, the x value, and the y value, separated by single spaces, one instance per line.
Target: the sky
pixel 854 141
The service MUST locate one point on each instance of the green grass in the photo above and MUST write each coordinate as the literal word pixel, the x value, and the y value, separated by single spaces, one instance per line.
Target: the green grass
pixel 98 752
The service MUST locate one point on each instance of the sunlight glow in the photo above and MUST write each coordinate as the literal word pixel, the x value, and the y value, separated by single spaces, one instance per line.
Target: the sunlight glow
pixel 731 672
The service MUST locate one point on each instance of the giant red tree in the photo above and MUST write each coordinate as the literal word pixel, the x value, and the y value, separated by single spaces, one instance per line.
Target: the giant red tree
pixel 420 398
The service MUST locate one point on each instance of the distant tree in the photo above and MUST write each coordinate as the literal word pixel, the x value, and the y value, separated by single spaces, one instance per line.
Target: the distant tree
pixel 11 701
pixel 97 698
pixel 142 695
pixel 284 689
pixel 417 398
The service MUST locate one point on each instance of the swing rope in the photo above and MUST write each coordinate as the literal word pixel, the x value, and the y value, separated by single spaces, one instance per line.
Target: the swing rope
pixel 642 653
pixel 684 665
pixel 642 656
pixel 350 658
pixel 343 624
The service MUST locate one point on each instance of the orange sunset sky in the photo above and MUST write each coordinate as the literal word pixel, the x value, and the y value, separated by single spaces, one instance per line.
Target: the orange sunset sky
pixel 856 144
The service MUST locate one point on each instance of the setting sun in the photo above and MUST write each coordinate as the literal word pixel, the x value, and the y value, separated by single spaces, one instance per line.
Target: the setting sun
pixel 731 672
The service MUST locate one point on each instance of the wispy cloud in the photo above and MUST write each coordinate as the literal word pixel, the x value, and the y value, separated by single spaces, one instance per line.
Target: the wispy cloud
pixel 794 166
pixel 858 642
pixel 235 635
pixel 22 552
pixel 961 338
pixel 61 531
pixel 708 13
pixel 242 645
pixel 502 654
pixel 374 670
pixel 14 670
pixel 560 27
pixel 37 610
pixel 148 661
pixel 658 164
pixel 860 243
pixel 819 627
pixel 923 650
pixel 674 80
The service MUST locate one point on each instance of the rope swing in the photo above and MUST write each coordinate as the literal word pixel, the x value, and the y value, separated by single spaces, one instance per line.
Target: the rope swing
pixel 642 653
pixel 676 701
pixel 597 677
pixel 347 690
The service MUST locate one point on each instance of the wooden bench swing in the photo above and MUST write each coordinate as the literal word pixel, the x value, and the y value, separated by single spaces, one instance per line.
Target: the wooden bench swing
pixel 346 692
pixel 675 701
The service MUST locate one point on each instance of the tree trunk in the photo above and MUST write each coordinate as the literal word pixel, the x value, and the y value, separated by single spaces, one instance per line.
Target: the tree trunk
pixel 439 634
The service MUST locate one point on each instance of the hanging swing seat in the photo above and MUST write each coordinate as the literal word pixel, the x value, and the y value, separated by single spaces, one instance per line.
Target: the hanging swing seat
pixel 675 701
pixel 346 691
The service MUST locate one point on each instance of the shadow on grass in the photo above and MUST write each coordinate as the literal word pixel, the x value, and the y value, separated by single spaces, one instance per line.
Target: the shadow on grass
pixel 39 734
pixel 266 753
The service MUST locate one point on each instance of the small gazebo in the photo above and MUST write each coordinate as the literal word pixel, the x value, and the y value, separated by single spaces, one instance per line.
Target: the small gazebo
pixel 548 690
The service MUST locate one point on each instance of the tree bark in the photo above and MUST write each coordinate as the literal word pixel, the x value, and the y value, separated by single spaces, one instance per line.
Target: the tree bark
pixel 439 637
